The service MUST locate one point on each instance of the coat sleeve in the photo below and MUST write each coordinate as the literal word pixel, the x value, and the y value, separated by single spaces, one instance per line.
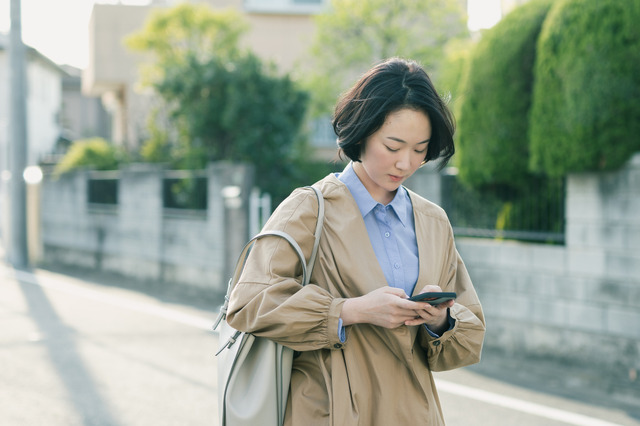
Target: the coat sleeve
pixel 462 345
pixel 269 300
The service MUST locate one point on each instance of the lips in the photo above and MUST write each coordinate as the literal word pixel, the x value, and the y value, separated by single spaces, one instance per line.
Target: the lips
pixel 396 178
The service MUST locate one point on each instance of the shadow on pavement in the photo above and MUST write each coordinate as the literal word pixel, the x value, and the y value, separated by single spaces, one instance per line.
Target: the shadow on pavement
pixel 168 292
pixel 59 340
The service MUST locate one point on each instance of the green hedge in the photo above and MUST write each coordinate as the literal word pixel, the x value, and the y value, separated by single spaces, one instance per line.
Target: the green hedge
pixel 493 121
pixel 586 105
pixel 452 73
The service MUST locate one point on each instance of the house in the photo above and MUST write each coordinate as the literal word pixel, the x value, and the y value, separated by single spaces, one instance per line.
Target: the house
pixel 82 116
pixel 280 31
pixel 44 101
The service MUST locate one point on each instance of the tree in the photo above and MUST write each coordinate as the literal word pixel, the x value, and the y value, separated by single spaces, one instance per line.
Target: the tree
pixel 586 103
pixel 174 35
pixel 223 103
pixel 494 116
pixel 354 34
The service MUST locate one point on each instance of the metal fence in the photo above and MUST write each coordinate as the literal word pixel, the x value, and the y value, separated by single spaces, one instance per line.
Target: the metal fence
pixel 535 213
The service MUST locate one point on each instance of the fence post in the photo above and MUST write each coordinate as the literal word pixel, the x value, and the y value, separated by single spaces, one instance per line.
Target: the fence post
pixel 265 208
pixel 254 212
pixel 229 193
pixel 427 182
pixel 139 244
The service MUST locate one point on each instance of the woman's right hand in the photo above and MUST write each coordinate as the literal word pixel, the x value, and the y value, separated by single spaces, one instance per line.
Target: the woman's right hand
pixel 387 307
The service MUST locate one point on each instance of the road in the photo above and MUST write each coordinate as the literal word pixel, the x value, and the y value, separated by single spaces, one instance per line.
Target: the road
pixel 77 352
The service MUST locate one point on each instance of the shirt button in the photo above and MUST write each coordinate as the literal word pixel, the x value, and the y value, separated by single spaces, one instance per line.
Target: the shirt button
pixel 337 346
pixel 396 265
pixel 436 343
pixel 386 234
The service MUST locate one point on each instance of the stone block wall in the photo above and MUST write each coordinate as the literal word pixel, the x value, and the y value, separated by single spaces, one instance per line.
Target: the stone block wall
pixel 138 237
pixel 581 301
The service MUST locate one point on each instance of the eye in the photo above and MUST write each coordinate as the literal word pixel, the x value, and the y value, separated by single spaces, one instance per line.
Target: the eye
pixel 423 150
pixel 391 149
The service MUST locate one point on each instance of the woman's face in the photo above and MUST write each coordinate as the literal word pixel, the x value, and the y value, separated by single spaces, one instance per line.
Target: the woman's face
pixel 393 153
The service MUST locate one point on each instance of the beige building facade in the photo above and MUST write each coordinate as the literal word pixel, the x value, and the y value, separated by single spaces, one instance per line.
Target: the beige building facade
pixel 280 31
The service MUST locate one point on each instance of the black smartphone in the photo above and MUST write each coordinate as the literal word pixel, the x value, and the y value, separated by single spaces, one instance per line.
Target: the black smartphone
pixel 433 298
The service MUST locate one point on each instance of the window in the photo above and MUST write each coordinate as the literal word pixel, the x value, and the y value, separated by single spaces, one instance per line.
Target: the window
pixel 302 7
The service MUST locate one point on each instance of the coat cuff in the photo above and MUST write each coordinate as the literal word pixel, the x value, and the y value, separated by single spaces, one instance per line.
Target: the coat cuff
pixel 334 325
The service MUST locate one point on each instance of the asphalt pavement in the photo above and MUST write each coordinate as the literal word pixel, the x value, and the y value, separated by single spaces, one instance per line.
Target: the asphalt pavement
pixel 582 384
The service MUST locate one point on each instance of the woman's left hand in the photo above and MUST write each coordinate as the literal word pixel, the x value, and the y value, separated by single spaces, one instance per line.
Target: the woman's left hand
pixel 435 317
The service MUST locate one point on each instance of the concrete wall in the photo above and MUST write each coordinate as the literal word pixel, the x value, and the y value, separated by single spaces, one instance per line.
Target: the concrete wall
pixel 140 239
pixel 579 302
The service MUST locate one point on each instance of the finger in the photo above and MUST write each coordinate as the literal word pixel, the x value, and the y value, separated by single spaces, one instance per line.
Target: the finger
pixel 443 305
pixel 415 321
pixel 410 304
pixel 428 316
pixel 446 305
pixel 431 288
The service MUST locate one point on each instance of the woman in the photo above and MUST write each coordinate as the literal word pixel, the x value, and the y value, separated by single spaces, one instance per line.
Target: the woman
pixel 366 351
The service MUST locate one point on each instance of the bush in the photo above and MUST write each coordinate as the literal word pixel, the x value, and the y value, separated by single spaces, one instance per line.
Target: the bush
pixel 586 104
pixel 493 122
pixel 95 153
pixel 452 72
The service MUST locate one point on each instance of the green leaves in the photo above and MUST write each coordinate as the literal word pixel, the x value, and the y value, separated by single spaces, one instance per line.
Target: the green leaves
pixel 174 35
pixel 586 108
pixel 95 153
pixel 554 88
pixel 222 102
pixel 494 116
pixel 355 34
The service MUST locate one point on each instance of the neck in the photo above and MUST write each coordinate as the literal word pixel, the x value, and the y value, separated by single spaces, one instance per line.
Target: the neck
pixel 379 194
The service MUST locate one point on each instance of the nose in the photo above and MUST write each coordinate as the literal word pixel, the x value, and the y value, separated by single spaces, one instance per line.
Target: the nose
pixel 403 161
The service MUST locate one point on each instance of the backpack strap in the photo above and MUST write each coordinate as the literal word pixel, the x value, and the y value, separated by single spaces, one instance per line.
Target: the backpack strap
pixel 319 224
pixel 307 268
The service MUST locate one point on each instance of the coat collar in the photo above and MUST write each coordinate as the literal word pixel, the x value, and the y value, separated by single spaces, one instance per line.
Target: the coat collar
pixel 401 203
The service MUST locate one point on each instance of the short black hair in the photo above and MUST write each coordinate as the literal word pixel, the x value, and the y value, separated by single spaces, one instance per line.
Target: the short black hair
pixel 390 86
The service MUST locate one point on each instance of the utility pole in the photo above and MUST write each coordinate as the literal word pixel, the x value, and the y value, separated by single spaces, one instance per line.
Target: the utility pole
pixel 17 250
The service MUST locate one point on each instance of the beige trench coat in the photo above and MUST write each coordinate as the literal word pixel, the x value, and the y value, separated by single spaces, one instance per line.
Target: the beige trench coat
pixel 378 376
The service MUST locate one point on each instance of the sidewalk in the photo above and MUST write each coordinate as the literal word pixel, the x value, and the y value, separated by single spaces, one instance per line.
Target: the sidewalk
pixel 580 383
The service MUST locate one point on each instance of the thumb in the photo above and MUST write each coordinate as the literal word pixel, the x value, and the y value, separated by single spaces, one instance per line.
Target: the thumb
pixel 396 291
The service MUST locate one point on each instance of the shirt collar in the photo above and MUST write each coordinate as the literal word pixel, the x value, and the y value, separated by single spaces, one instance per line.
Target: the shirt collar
pixel 400 203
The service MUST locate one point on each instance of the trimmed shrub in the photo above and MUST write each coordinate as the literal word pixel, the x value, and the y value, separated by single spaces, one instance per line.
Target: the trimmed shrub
pixel 493 122
pixel 586 104
pixel 452 72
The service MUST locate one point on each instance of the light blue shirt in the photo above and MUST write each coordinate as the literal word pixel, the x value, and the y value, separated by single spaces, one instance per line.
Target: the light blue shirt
pixel 391 230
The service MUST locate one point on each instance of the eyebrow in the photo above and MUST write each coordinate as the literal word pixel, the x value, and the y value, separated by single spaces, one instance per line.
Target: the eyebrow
pixel 402 141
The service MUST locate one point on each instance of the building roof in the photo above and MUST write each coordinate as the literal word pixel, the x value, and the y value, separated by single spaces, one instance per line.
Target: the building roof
pixel 32 52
